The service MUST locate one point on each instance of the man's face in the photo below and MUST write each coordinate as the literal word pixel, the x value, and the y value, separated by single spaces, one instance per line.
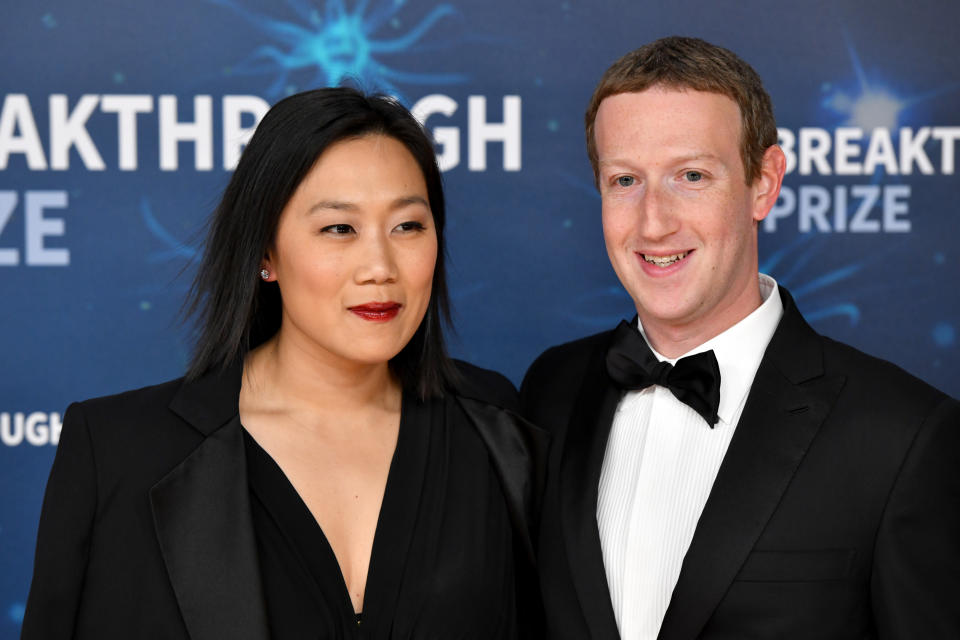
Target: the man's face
pixel 679 220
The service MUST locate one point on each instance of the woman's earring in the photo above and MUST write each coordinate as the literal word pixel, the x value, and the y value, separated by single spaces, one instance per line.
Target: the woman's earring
pixel 264 274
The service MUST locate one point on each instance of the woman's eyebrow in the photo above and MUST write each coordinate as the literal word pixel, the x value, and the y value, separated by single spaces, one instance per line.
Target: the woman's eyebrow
pixel 336 205
pixel 343 205
pixel 406 201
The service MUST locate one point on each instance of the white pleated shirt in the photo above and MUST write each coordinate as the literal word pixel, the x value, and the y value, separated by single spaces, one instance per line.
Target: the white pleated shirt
pixel 660 464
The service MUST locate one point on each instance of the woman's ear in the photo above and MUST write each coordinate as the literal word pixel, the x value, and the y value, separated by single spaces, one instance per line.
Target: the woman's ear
pixel 266 268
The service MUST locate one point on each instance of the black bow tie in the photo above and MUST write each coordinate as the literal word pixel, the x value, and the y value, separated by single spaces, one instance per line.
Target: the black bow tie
pixel 694 380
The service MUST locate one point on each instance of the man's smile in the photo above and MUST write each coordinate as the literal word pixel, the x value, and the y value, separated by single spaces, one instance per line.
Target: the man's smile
pixel 664 261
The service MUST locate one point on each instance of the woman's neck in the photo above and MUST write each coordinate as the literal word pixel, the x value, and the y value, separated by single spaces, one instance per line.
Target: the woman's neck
pixel 282 374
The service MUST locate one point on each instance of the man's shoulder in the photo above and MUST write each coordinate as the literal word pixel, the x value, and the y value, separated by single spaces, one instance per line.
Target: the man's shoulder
pixel 869 381
pixel 562 365
pixel 885 382
pixel 564 359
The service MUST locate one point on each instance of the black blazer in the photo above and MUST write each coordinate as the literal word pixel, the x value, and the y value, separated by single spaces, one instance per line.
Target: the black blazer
pixel 835 513
pixel 146 529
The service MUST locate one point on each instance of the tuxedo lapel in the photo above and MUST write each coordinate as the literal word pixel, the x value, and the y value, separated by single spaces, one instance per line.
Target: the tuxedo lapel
pixel 203 522
pixel 580 467
pixel 788 402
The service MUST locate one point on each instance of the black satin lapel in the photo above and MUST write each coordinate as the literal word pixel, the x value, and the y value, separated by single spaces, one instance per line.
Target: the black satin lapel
pixel 201 513
pixel 778 423
pixel 518 451
pixel 580 467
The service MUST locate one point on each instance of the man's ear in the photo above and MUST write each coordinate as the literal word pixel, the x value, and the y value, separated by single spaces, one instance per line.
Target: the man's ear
pixel 766 186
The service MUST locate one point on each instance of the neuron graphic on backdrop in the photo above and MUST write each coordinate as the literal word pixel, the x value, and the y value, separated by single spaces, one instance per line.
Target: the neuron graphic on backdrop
pixel 335 44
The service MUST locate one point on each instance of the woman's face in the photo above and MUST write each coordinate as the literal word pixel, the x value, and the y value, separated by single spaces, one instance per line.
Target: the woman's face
pixel 354 253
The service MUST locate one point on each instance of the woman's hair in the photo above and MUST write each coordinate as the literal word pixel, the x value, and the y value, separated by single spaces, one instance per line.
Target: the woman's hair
pixel 235 311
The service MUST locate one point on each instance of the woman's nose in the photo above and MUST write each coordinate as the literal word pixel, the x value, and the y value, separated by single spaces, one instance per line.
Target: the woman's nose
pixel 376 261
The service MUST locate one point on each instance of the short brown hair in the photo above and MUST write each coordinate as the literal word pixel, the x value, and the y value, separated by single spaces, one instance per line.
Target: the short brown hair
pixel 690 63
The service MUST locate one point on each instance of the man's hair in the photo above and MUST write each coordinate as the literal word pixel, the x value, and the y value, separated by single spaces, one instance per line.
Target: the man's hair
pixel 690 63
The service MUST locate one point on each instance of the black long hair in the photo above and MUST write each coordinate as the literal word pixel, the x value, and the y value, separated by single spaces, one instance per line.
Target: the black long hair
pixel 235 311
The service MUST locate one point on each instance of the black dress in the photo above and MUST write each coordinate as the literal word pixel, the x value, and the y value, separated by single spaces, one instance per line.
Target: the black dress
pixel 443 559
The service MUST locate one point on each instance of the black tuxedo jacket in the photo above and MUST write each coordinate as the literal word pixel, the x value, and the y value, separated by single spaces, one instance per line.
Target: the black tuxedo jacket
pixel 146 528
pixel 835 513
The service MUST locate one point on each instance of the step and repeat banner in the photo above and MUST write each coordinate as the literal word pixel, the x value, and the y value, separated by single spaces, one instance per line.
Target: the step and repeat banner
pixel 120 124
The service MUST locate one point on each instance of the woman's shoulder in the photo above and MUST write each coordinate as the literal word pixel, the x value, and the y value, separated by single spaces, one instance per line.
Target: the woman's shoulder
pixel 485 385
pixel 143 420
pixel 133 402
pixel 210 398
pixel 131 439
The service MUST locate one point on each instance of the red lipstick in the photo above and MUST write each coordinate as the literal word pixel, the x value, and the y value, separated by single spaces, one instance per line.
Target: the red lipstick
pixel 377 311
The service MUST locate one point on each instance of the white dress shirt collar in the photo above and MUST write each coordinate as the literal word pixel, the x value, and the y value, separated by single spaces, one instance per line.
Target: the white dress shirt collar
pixel 740 348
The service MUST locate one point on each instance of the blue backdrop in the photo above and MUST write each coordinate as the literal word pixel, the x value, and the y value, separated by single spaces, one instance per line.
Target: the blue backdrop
pixel 120 122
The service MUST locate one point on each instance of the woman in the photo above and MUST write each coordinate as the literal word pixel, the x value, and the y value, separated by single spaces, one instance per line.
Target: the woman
pixel 323 470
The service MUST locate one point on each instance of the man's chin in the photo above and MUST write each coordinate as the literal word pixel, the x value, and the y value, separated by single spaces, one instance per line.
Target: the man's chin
pixel 667 315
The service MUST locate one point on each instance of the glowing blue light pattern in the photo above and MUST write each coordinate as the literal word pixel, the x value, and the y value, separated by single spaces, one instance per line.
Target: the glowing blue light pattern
pixel 944 334
pixel 788 267
pixel 174 249
pixel 15 612
pixel 340 45
pixel 871 103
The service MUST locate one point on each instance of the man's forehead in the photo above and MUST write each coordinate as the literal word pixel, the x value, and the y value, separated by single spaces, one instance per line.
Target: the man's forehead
pixel 666 91
pixel 668 113
pixel 665 126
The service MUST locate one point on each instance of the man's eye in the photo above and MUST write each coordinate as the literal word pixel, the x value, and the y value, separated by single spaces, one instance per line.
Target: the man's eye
pixel 693 176
pixel 337 229
pixel 626 181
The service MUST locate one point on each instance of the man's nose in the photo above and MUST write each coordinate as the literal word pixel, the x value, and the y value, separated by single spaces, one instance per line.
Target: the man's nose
pixel 657 211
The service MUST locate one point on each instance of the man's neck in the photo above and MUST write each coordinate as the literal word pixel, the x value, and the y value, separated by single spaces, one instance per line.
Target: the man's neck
pixel 672 339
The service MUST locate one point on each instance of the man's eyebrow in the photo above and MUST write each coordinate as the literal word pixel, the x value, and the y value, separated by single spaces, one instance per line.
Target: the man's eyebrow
pixel 679 158
pixel 699 156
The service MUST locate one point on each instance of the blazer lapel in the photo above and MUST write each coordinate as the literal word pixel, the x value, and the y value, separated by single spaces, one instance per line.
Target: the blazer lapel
pixel 788 401
pixel 518 451
pixel 580 467
pixel 202 517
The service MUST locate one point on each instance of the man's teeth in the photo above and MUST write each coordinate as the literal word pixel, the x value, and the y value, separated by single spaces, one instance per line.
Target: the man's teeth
pixel 665 261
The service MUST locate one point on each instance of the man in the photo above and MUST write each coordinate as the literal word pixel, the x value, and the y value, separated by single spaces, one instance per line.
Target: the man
pixel 817 495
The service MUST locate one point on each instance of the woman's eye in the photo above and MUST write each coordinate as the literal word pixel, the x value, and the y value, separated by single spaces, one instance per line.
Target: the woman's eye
pixel 626 181
pixel 337 229
pixel 693 176
pixel 411 225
